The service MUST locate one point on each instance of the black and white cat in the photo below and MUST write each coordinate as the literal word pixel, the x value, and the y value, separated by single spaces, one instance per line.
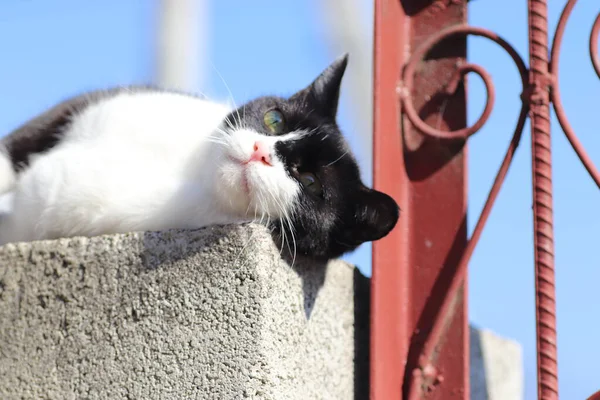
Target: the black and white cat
pixel 137 158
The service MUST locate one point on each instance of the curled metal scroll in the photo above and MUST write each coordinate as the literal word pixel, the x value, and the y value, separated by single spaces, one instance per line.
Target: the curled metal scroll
pixel 426 374
pixel 594 45
pixel 595 396
pixel 555 92
pixel 419 55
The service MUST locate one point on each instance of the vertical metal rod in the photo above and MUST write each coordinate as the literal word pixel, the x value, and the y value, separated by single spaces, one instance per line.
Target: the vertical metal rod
pixel 542 201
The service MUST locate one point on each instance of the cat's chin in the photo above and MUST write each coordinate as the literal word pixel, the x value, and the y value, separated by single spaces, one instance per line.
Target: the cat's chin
pixel 256 191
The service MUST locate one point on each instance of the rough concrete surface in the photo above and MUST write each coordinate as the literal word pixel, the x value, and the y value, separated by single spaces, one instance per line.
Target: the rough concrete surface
pixel 496 367
pixel 215 313
pixel 208 314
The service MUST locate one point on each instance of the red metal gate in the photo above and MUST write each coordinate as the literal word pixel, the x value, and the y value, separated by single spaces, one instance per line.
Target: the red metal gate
pixel 419 335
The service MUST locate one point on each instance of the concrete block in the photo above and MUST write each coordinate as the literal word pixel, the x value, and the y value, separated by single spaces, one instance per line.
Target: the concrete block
pixel 496 369
pixel 215 313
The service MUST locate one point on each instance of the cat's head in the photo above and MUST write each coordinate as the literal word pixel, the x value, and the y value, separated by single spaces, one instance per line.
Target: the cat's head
pixel 288 165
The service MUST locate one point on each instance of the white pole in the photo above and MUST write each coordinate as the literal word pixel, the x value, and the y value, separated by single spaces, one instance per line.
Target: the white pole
pixel 347 31
pixel 182 43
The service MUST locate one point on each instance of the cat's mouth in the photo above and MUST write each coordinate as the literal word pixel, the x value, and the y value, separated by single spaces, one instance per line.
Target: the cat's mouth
pixel 244 165
pixel 258 187
pixel 245 183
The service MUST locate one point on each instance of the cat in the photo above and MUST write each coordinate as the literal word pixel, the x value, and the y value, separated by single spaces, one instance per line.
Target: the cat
pixel 141 158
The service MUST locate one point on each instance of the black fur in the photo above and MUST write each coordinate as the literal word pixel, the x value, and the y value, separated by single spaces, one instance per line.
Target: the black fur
pixel 348 213
pixel 41 133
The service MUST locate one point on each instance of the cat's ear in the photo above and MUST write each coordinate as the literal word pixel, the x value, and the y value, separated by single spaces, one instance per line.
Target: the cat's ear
pixel 375 215
pixel 324 91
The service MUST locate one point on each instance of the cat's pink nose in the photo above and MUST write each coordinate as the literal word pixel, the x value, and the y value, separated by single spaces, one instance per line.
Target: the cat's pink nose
pixel 261 153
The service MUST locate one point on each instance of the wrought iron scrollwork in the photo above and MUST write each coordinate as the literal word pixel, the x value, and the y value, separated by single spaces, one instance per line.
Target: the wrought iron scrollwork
pixel 427 371
pixel 423 50
pixel 533 93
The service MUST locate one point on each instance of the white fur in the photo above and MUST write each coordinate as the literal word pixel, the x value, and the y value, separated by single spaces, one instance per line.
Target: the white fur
pixel 7 174
pixel 145 161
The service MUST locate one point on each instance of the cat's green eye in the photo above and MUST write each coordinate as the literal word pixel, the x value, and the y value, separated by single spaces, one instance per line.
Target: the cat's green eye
pixel 311 183
pixel 274 121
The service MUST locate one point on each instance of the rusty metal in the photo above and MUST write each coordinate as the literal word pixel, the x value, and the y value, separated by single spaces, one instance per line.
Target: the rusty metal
pixel 439 328
pixel 595 396
pixel 427 177
pixel 555 92
pixel 389 333
pixel 543 226
pixel 594 44
pixel 426 369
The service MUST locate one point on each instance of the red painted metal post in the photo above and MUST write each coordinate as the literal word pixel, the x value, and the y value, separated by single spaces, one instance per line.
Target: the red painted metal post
pixel 413 266
pixel 390 333
pixel 540 83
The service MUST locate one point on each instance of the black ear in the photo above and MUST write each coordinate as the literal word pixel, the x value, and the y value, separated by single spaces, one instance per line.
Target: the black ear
pixel 375 215
pixel 324 91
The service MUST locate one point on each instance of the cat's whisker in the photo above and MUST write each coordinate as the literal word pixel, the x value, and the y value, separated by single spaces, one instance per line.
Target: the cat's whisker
pixel 284 224
pixel 282 230
pixel 307 115
pixel 247 242
pixel 242 117
pixel 285 218
pixel 267 216
pixel 291 228
pixel 223 135
pixel 283 236
pixel 313 131
pixel 338 159
pixel 262 213
pixel 226 135
pixel 239 121
pixel 262 202
pixel 228 122
pixel 224 83
pixel 302 134
pixel 248 209
pixel 234 121
pixel 217 141
pixel 237 118
pixel 240 253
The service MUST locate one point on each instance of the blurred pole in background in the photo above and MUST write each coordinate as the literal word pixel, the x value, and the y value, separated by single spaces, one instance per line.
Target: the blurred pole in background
pixel 182 43
pixel 347 30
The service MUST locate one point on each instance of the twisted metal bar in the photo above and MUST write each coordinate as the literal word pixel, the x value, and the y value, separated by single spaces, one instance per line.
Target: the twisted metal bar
pixel 426 373
pixel 555 92
pixel 541 153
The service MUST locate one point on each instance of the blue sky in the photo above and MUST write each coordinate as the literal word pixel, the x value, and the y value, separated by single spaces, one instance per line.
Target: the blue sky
pixel 51 50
